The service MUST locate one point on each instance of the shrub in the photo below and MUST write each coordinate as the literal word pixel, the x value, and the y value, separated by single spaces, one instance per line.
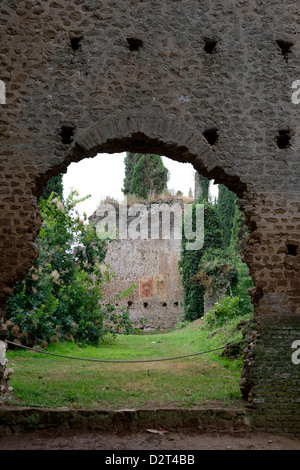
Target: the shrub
pixel 223 311
pixel 217 270
pixel 238 303
pixel 61 295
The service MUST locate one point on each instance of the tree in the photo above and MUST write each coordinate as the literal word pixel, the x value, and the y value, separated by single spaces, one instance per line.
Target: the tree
pixel 239 232
pixel 129 163
pixel 144 175
pixel 60 297
pixel 226 206
pixel 55 185
pixel 201 187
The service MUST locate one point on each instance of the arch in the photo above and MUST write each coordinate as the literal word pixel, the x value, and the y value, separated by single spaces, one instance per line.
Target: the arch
pixel 148 133
pixel 169 135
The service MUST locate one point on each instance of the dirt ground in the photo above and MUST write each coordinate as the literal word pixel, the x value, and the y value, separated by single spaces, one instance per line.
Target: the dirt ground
pixel 149 440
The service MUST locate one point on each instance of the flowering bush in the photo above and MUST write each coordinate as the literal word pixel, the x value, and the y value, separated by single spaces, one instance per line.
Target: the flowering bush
pixel 223 311
pixel 61 295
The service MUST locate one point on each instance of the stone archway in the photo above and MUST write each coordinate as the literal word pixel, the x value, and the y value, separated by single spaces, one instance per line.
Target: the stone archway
pixel 274 309
pixel 148 134
pixel 170 77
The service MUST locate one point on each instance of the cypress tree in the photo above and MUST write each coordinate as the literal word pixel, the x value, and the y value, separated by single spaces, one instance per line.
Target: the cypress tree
pixel 226 206
pixel 144 174
pixel 239 232
pixel 129 163
pixel 201 187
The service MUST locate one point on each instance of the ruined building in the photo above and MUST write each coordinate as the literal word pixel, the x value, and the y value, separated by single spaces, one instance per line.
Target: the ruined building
pixel 147 261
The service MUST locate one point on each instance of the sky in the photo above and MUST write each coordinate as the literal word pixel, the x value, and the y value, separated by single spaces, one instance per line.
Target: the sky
pixel 103 176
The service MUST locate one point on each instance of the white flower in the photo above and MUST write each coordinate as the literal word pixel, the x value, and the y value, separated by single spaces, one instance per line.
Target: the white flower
pixel 55 274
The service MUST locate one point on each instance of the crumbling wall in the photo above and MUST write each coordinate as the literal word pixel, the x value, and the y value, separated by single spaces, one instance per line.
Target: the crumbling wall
pixel 151 265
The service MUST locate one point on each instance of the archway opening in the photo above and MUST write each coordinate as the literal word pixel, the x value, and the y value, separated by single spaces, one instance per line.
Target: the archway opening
pixel 182 155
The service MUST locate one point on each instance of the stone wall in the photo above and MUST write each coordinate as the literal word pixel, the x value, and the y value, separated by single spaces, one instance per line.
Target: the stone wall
pixel 149 264
pixel 275 372
pixel 202 82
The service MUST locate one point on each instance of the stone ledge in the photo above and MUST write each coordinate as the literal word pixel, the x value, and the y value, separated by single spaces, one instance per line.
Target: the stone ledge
pixel 14 420
pixel 23 419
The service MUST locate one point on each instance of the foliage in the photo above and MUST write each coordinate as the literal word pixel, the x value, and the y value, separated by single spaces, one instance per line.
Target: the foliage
pixel 238 303
pixel 218 263
pixel 239 232
pixel 55 185
pixel 240 288
pixel 217 270
pixel 61 295
pixel 129 163
pixel 226 205
pixel 190 260
pixel 201 187
pixel 223 311
pixel 144 175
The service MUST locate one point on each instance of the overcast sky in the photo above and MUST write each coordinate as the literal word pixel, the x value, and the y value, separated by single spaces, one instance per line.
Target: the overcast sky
pixel 103 176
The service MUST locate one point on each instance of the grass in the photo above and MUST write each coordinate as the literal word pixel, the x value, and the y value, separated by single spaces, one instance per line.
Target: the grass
pixel 47 381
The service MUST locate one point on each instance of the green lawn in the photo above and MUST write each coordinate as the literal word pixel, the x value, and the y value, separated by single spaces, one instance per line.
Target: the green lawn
pixel 48 381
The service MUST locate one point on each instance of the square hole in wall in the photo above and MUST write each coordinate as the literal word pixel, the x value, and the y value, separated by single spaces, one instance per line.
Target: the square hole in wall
pixel 292 249
pixel 283 139
pixel 211 135
pixel 210 46
pixel 134 44
pixel 75 42
pixel 285 47
pixel 66 134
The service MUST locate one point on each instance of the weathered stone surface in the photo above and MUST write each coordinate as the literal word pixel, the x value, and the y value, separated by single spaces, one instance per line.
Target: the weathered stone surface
pixel 75 87
pixel 145 260
pixel 16 420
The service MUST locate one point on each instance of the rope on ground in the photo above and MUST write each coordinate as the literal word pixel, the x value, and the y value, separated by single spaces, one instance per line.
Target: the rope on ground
pixel 128 361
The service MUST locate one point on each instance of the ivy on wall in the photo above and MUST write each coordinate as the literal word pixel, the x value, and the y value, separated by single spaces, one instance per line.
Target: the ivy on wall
pixel 190 260
pixel 218 264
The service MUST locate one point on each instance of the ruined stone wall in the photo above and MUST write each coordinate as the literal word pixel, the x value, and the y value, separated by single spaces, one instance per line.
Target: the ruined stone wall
pixel 149 264
pixel 276 374
pixel 202 82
